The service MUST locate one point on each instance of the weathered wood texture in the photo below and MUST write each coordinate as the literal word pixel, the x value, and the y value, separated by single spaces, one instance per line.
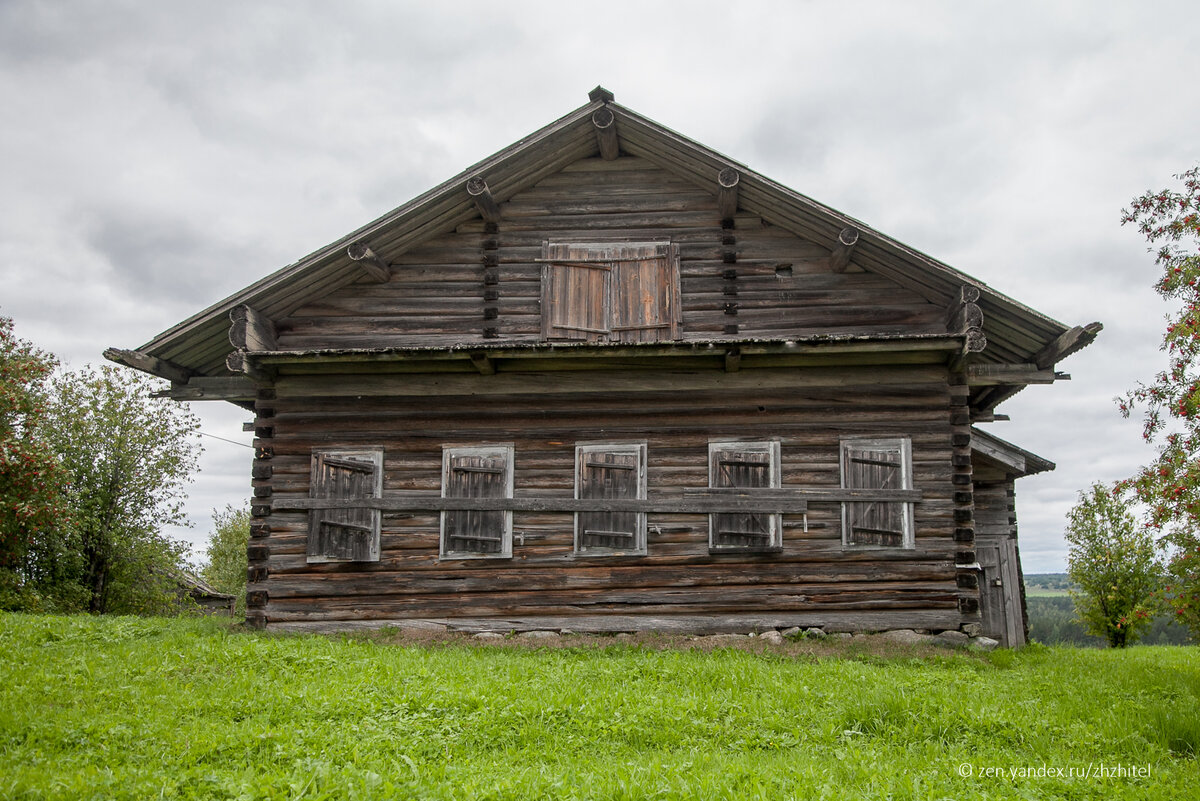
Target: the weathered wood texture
pixel 811 576
pixel 785 286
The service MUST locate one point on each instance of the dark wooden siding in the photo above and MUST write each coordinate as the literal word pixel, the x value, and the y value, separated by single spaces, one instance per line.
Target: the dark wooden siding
pixel 755 278
pixel 678 583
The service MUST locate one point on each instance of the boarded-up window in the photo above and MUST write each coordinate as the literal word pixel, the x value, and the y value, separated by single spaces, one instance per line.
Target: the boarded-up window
pixel 345 533
pixel 610 471
pixel 623 292
pixel 477 473
pixel 748 465
pixel 877 465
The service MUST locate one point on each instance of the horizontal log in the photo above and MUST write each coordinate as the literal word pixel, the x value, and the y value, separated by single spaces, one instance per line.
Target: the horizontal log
pixel 226 388
pixel 996 374
pixel 251 329
pixel 694 502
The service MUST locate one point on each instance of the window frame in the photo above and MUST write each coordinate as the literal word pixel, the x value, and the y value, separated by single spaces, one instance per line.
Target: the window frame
pixel 609 260
pixel 771 447
pixel 902 446
pixel 637 449
pixel 318 458
pixel 451 452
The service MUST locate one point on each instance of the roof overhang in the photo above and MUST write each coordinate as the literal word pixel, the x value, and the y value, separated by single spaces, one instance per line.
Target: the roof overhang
pixel 199 346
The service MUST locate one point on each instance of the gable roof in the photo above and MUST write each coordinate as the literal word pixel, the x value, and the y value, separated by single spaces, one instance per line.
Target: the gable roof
pixel 199 345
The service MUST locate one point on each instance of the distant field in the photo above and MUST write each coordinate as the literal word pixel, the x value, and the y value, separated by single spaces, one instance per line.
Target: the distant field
pixel 1045 592
pixel 127 708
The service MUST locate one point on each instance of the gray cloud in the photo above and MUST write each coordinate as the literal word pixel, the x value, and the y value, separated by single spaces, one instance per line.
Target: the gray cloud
pixel 159 156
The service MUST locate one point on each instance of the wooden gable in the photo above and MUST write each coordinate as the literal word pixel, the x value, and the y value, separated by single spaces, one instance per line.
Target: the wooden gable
pixel 529 281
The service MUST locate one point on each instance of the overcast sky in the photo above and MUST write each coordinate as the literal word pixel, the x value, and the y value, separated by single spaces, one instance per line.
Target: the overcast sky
pixel 158 156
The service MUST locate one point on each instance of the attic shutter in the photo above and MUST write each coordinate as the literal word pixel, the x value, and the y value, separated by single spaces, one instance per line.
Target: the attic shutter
pixel 750 466
pixel 345 534
pixel 644 296
pixel 477 473
pixel 575 294
pixel 870 466
pixel 610 471
pixel 618 292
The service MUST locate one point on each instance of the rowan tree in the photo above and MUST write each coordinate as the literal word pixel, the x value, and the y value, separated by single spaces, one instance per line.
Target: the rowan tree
pixel 1169 487
pixel 30 475
pixel 1114 563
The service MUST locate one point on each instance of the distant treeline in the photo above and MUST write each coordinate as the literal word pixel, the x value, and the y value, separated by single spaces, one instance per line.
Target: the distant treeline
pixel 1052 618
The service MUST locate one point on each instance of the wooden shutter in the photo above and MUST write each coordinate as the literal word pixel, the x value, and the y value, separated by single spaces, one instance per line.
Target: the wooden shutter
pixel 875 466
pixel 610 472
pixel 618 292
pixel 477 473
pixel 749 465
pixel 645 296
pixel 345 534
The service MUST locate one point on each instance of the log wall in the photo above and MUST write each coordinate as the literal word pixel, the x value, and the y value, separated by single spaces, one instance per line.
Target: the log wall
pixel 677 585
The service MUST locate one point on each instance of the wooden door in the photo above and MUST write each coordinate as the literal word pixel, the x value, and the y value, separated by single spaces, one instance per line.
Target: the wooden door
pixel 1000 591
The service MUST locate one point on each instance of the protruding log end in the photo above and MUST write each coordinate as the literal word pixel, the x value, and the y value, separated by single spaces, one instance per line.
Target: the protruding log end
pixel 606 133
pixel 847 239
pixel 600 95
pixel 477 187
pixel 479 192
pixel 361 254
pixel 727 192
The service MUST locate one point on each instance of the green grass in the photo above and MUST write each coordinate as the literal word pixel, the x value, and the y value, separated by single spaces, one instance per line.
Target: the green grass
pixel 189 708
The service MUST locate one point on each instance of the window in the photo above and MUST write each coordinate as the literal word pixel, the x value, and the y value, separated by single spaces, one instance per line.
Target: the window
pixel 615 292
pixel 345 534
pixel 610 471
pixel 749 465
pixel 877 464
pixel 477 472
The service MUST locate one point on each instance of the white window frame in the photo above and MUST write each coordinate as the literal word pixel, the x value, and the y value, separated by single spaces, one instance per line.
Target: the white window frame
pixel 450 452
pixel 774 481
pixel 903 445
pixel 638 449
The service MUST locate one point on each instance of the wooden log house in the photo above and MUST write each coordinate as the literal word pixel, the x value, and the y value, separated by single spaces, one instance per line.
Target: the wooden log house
pixel 609 380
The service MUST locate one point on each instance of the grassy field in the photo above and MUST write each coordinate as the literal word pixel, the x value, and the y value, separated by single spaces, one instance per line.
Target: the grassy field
pixel 186 708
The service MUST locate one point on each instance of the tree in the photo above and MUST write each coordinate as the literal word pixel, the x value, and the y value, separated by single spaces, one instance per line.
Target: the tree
pixel 226 566
pixel 128 456
pixel 30 475
pixel 1114 563
pixel 1169 486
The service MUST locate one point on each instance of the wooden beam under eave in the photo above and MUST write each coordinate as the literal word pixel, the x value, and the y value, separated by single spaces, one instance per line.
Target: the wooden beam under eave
pixel 488 208
pixel 482 363
pixel 149 364
pixel 250 329
pixel 839 259
pixel 983 375
pixel 605 123
pixel 239 361
pixel 727 192
pixel 733 360
pixel 1067 343
pixel 974 342
pixel 372 265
